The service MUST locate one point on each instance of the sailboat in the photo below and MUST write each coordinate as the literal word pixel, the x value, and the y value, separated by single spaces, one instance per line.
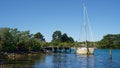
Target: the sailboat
pixel 85 50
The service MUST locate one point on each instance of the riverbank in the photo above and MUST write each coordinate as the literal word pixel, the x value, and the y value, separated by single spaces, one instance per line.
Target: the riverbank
pixel 19 55
pixel 49 50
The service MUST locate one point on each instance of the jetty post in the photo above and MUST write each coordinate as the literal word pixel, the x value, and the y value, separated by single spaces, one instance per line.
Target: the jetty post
pixel 110 53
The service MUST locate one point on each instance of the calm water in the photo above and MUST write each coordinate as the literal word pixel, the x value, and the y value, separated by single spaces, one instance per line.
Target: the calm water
pixel 100 59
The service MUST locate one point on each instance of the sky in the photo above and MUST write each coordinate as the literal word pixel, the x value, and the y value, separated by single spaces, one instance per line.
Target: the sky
pixel 47 16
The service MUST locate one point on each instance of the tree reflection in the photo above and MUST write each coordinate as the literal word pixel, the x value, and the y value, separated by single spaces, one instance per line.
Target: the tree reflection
pixel 24 61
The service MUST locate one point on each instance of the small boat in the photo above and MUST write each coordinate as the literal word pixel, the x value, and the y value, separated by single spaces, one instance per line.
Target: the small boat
pixel 85 50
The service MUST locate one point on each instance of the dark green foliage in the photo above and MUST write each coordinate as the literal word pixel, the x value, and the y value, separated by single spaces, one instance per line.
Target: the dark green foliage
pixel 39 36
pixel 70 39
pixel 59 39
pixel 56 36
pixel 110 41
pixel 12 40
pixel 7 40
pixel 64 38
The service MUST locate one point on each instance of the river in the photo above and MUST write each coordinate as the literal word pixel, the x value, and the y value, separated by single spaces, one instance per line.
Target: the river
pixel 100 59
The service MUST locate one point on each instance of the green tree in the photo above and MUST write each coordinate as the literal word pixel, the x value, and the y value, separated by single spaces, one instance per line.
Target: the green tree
pixel 24 39
pixel 15 37
pixel 39 36
pixel 64 38
pixel 110 41
pixel 56 36
pixel 1 44
pixel 70 39
pixel 7 40
pixel 34 45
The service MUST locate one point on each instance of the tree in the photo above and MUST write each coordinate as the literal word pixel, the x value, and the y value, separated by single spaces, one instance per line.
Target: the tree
pixel 1 44
pixel 23 44
pixel 7 39
pixel 56 36
pixel 70 39
pixel 15 36
pixel 64 38
pixel 39 36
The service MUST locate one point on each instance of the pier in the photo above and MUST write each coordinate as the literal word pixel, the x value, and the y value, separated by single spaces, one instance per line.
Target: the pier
pixel 57 49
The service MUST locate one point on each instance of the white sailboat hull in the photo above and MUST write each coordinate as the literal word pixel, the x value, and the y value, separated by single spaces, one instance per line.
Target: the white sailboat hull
pixel 83 50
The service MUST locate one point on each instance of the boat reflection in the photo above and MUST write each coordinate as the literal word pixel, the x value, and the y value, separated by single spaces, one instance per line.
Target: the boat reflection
pixel 86 61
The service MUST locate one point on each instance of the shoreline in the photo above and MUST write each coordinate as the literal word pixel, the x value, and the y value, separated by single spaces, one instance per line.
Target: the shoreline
pixel 19 55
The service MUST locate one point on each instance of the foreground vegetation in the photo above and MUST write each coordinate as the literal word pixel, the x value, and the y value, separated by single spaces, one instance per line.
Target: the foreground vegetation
pixel 13 40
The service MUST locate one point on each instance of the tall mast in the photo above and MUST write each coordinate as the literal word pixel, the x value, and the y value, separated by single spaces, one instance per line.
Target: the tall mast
pixel 85 28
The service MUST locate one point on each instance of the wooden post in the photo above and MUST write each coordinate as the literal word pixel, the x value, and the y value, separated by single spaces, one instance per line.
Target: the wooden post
pixel 70 49
pixel 52 49
pixel 110 53
pixel 87 48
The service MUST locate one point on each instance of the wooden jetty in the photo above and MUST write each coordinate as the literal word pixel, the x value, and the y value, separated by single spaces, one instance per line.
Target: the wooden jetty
pixel 57 49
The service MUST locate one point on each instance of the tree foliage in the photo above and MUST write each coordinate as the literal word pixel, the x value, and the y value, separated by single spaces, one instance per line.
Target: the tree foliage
pixel 56 36
pixel 39 36
pixel 13 40
pixel 59 39
pixel 65 38
pixel 110 41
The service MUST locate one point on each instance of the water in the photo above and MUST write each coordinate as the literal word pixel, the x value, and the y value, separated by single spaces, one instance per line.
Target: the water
pixel 100 59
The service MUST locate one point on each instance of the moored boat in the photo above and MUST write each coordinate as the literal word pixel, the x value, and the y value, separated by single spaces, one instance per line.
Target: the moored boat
pixel 85 50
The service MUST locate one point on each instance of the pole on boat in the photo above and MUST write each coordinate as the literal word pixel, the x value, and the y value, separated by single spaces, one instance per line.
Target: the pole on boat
pixel 85 32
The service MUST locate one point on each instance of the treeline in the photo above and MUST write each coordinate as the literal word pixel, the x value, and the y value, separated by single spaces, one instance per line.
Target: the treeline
pixel 13 40
pixel 110 41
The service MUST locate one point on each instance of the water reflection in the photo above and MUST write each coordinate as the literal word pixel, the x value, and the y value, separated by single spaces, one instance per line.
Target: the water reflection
pixel 68 61
pixel 22 62
pixel 86 61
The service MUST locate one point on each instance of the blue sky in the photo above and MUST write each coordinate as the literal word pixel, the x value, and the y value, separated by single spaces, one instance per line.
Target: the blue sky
pixel 47 16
